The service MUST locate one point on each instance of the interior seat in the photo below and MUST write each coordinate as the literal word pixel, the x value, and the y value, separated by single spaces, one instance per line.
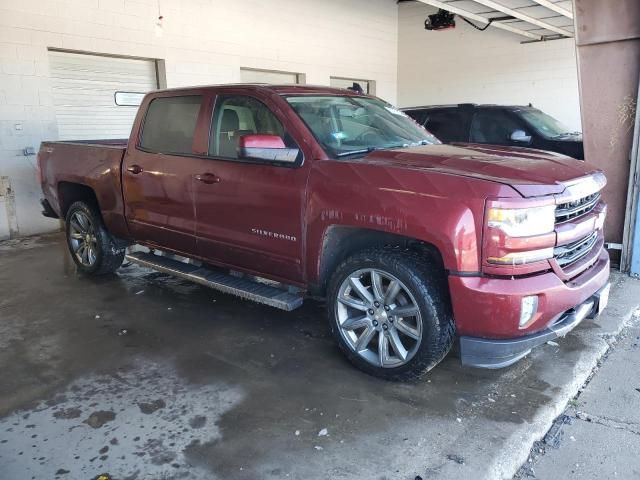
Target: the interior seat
pixel 228 136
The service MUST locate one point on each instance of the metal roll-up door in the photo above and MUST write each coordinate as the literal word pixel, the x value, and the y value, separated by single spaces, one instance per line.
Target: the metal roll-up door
pixel 84 88
pixel 251 75
pixel 366 85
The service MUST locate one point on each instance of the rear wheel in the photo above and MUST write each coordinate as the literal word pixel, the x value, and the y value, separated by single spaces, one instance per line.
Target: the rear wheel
pixel 92 248
pixel 389 311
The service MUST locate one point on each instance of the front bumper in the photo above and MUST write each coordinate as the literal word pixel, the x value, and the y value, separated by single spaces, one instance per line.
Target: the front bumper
pixel 486 353
pixel 487 311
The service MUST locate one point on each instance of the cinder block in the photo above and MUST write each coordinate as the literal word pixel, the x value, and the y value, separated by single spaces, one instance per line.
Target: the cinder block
pixel 19 67
pixel 14 35
pixel 8 51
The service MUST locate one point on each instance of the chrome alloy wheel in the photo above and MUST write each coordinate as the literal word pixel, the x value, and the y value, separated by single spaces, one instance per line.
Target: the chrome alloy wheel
pixel 378 318
pixel 82 237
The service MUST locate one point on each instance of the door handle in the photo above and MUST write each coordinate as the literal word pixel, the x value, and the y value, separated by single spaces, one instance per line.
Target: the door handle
pixel 208 178
pixel 135 169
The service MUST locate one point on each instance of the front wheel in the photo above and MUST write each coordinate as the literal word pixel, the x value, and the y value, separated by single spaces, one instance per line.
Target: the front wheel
pixel 92 247
pixel 389 311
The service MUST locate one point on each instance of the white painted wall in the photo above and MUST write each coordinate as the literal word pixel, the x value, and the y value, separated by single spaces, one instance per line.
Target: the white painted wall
pixel 202 42
pixel 465 65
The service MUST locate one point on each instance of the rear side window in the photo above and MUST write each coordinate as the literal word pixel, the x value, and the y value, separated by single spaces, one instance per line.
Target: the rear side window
pixel 170 124
pixel 448 125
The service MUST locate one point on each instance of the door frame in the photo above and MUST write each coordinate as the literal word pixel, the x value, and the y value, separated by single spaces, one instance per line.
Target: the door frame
pixel 294 126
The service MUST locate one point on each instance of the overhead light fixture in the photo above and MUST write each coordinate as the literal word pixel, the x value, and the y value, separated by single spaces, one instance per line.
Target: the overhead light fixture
pixel 159 30
pixel 440 21
pixel 444 19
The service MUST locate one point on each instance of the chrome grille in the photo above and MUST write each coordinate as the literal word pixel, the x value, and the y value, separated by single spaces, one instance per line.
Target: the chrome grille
pixel 572 252
pixel 576 208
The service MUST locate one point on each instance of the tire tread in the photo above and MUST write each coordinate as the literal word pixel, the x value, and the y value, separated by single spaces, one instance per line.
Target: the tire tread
pixel 430 279
pixel 111 253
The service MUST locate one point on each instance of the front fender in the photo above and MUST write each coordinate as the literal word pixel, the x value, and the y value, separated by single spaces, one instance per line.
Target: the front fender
pixel 443 210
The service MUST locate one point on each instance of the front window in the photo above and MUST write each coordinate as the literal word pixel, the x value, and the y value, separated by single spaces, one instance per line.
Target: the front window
pixel 494 127
pixel 235 116
pixel 544 124
pixel 346 126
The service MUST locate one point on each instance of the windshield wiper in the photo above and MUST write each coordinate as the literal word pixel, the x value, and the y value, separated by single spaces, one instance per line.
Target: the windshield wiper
pixel 384 147
pixel 357 152
pixel 567 134
pixel 367 150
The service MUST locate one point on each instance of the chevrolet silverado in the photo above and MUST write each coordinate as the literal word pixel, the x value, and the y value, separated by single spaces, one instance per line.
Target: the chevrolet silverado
pixel 274 193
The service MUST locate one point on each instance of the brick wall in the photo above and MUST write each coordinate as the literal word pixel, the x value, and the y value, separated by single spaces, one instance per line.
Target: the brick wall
pixel 202 42
pixel 465 65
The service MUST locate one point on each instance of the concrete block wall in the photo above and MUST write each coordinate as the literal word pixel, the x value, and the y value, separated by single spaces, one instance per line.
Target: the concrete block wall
pixel 202 42
pixel 466 65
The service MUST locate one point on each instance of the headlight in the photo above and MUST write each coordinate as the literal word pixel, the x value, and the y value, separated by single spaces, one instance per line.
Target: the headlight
pixel 522 222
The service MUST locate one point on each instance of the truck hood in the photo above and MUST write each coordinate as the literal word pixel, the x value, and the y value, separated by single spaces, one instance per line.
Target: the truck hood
pixel 531 172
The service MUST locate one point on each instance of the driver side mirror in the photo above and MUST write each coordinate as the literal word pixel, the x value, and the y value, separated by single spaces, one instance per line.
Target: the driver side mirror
pixel 520 136
pixel 270 148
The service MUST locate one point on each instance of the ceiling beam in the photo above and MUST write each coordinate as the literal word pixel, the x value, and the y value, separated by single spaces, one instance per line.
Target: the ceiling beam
pixel 525 18
pixel 555 7
pixel 479 18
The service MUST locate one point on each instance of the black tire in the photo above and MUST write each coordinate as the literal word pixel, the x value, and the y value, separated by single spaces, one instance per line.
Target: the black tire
pixel 426 282
pixel 109 253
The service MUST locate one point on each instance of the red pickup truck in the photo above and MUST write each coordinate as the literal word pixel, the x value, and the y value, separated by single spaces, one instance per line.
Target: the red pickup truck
pixel 277 192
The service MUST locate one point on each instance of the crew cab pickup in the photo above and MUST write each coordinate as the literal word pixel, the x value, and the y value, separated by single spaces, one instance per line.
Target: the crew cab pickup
pixel 275 193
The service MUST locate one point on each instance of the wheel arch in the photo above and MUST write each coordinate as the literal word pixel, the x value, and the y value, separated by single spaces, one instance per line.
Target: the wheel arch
pixel 71 192
pixel 340 242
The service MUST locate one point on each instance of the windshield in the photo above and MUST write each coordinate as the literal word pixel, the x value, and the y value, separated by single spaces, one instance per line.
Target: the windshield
pixel 346 126
pixel 544 124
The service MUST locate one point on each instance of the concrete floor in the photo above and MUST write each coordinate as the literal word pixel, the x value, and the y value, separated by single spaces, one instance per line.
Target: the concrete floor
pixel 603 438
pixel 143 376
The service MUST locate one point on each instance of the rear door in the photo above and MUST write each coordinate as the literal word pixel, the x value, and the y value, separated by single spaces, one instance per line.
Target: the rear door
pixel 157 177
pixel 251 216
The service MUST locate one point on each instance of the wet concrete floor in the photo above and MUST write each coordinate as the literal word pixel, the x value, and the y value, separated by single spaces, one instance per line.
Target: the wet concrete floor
pixel 144 376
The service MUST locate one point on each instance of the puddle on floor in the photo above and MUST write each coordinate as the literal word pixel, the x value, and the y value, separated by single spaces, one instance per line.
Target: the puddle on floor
pixel 134 425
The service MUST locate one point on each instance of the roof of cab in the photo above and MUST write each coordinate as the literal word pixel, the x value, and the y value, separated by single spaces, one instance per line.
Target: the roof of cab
pixel 283 89
pixel 466 105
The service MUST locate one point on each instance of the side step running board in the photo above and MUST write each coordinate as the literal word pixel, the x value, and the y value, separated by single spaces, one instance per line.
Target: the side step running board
pixel 224 282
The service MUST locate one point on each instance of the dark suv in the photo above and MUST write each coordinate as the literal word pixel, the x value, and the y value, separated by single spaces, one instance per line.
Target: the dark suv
pixel 499 125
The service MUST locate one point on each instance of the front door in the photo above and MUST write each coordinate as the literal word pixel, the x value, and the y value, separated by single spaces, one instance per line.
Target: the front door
pixel 496 127
pixel 250 213
pixel 157 177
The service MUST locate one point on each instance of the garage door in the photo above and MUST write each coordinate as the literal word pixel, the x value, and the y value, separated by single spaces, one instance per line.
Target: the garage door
pixel 339 82
pixel 84 87
pixel 250 75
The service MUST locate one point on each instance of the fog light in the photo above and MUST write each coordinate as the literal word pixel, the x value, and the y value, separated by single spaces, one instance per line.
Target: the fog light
pixel 528 309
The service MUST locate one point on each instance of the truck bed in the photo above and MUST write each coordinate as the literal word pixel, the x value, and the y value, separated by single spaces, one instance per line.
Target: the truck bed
pixel 111 142
pixel 94 164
